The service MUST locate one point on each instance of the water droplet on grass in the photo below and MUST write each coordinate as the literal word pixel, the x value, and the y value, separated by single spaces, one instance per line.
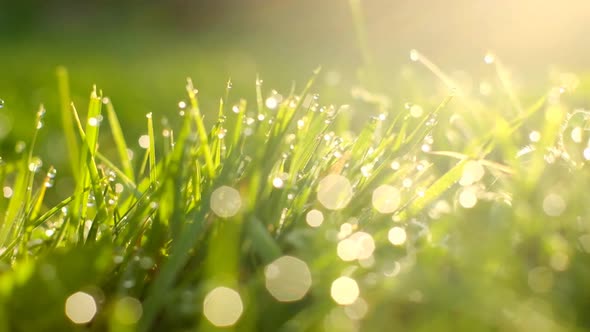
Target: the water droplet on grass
pixel 397 236
pixel 468 198
pixel 407 182
pixel 386 199
pixel 144 141
pixel 92 121
pixel 225 201
pixel 1 103
pixel 554 205
pixel 344 290
pixel 50 177
pixel 7 192
pixel 271 102
pixel 473 171
pixel 20 147
pixel 334 192
pixel 35 164
pixel 287 279
pixel 416 111
pixel 534 136
pixel 80 308
pixel 576 135
pixel 223 306
pixel 314 218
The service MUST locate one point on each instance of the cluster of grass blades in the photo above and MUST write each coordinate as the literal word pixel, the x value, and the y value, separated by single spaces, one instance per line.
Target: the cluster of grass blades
pixel 279 218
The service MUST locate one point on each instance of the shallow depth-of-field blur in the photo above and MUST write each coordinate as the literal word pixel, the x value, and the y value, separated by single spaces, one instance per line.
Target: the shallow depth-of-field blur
pixel 294 166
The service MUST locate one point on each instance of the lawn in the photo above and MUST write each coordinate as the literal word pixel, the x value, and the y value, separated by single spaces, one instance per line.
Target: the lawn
pixel 289 197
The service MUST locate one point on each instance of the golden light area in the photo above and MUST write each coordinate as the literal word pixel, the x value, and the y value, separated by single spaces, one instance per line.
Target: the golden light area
pixel 80 308
pixel 359 245
pixel 553 205
pixel 225 202
pixel 344 291
pixel 397 236
pixel 386 198
pixel 314 218
pixel 287 279
pixel 473 171
pixel 127 310
pixel 223 306
pixel 334 192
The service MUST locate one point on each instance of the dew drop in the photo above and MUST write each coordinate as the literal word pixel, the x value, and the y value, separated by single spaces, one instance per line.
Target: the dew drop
pixel 334 192
pixel 20 147
pixel 144 141
pixel 223 306
pixel 287 279
pixel 35 164
pixel 7 192
pixel 49 182
pixel 386 199
pixel 271 102
pixel 80 308
pixel 344 290
pixel 222 132
pixel 416 111
pixel 300 124
pixel 314 218
pixel 576 135
pixel 554 205
pixel 407 182
pixel 1 103
pixel 225 201
pixel 473 171
pixel 467 198
pixel 92 121
pixel 534 136
pixel 397 236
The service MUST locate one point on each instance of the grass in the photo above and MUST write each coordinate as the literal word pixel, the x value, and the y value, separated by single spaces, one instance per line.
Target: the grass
pixel 465 211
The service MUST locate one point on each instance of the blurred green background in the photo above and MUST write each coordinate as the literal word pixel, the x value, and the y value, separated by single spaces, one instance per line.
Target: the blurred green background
pixel 140 52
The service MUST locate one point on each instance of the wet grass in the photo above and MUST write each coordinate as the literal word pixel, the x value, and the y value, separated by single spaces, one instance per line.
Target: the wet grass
pixel 460 210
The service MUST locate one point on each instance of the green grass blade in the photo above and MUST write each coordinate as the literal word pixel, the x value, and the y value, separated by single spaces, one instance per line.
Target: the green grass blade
pixel 120 142
pixel 67 122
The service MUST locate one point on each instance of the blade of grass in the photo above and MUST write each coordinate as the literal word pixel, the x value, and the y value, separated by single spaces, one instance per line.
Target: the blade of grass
pixel 120 142
pixel 67 122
